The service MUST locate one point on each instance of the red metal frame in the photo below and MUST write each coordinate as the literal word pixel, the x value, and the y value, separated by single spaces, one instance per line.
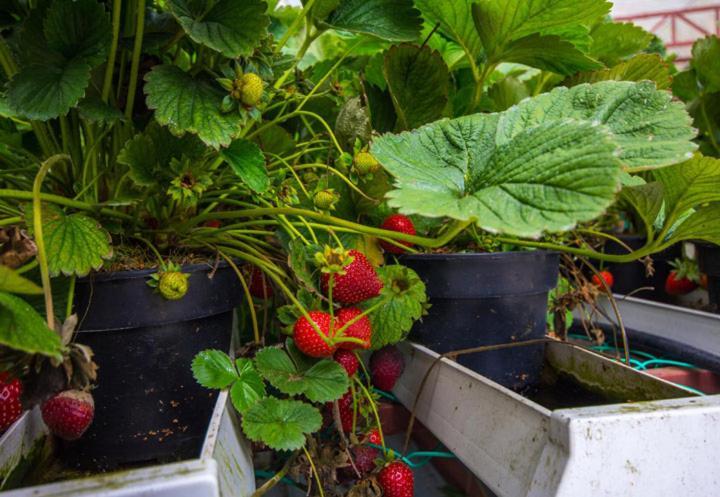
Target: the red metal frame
pixel 679 16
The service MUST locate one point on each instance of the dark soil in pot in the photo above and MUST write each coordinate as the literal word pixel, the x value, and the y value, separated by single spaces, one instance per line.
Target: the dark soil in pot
pixel 709 262
pixel 148 407
pixel 631 276
pixel 486 299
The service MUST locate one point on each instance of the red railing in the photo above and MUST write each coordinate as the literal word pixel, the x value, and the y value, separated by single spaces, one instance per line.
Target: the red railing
pixel 678 21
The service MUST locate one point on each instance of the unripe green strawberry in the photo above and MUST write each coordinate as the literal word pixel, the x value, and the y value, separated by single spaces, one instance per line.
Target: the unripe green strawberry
pixel 325 199
pixel 173 285
pixel 252 89
pixel 365 163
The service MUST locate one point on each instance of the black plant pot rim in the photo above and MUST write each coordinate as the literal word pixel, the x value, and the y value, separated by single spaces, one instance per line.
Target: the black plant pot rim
pixel 520 254
pixel 130 274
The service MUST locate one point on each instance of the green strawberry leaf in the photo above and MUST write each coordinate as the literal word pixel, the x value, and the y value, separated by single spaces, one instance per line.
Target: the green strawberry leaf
pixel 231 27
pixel 22 328
pixel 642 67
pixel 12 282
pixel 281 424
pixel 403 301
pixel 190 104
pixel 214 369
pixel 46 91
pixel 78 29
pixel 413 75
pixel 324 381
pixel 614 41
pixel 75 244
pixel 501 21
pixel 390 20
pixel 247 161
pixel 706 62
pixel 646 200
pixel 549 53
pixel 94 109
pixel 249 388
pixel 302 361
pixel 456 22
pixel 701 225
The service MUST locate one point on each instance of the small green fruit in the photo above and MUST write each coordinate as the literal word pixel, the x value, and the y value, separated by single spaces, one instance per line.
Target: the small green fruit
pixel 173 285
pixel 325 199
pixel 252 89
pixel 365 163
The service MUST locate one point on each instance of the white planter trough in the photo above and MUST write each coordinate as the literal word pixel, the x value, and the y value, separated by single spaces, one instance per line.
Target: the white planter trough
pixel 519 448
pixel 224 467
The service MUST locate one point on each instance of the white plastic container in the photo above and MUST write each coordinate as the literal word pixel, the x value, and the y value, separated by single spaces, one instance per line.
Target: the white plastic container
pixel 224 468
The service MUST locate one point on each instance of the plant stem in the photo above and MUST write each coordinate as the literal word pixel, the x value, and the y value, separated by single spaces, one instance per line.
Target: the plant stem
pixel 248 295
pixel 276 478
pixel 314 471
pixel 60 200
pixel 109 69
pixel 39 240
pixel 304 14
pixel 592 254
pixel 71 297
pixel 135 64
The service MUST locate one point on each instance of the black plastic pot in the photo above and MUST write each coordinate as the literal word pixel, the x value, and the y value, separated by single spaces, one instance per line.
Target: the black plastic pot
pixel 709 262
pixel 487 299
pixel 630 277
pixel 148 407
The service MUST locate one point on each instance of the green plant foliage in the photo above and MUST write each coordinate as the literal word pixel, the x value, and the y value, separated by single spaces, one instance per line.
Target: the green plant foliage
pixel 247 161
pixel 549 53
pixel 701 225
pixel 456 22
pixel 614 41
pixel 403 301
pixel 72 39
pixel 75 244
pixel 281 424
pixel 95 110
pixel 324 381
pixel 214 369
pixel 501 21
pixel 641 67
pixel 706 63
pixel 22 328
pixel 417 79
pixel 646 200
pixel 249 387
pixel 231 27
pixel 190 104
pixel 391 20
pixel 12 282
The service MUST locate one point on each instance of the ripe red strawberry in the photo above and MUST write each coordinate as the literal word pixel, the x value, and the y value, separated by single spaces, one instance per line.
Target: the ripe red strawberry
pixel 345 405
pixel 69 413
pixel 10 406
pixel 306 337
pixel 374 437
pixel 386 366
pixel 606 276
pixel 347 360
pixel 678 285
pixel 396 480
pixel 360 329
pixel 401 224
pixel 360 281
pixel 259 285
pixel 364 458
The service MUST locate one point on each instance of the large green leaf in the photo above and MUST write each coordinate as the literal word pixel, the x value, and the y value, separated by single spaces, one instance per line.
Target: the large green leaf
pixel 455 20
pixel 12 282
pixel 78 29
pixel 706 62
pixel 324 381
pixel 247 161
pixel 416 75
pixel 646 200
pixel 402 301
pixel 187 103
pixel 249 387
pixel 689 185
pixel 612 41
pixel 642 67
pixel 213 369
pixel 232 27
pixel 501 21
pixel 46 91
pixel 550 53
pixel 391 20
pixel 650 129
pixel 701 225
pixel 75 244
pixel 21 328
pixel 281 424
